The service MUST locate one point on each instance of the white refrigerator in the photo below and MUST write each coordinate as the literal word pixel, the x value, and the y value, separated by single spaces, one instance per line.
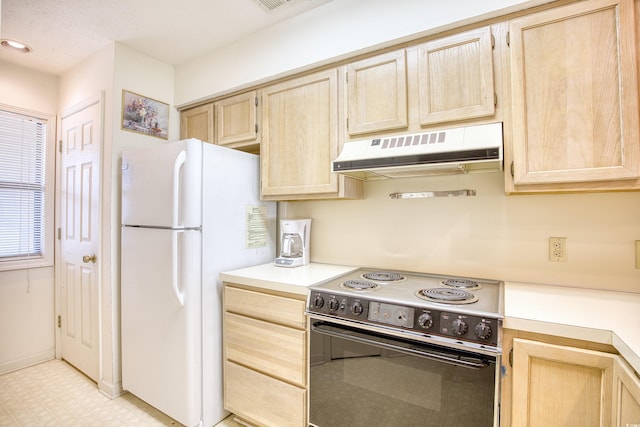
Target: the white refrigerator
pixel 189 211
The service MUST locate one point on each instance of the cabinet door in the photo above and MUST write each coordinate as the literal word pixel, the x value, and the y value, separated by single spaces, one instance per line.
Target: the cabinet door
pixel 626 396
pixel 197 123
pixel 377 93
pixel 455 79
pixel 574 94
pixel 300 136
pixel 263 400
pixel 560 386
pixel 236 120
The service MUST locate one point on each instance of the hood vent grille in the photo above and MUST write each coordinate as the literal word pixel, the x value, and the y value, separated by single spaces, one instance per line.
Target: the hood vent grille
pixel 456 150
pixel 270 5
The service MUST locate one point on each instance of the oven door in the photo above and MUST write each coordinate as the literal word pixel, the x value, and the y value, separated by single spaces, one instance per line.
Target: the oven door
pixel 363 378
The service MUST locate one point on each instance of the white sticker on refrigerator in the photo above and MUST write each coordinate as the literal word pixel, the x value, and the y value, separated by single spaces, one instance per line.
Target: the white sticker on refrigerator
pixel 257 233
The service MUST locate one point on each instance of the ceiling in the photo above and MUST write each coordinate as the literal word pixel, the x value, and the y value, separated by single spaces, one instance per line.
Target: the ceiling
pixel 62 33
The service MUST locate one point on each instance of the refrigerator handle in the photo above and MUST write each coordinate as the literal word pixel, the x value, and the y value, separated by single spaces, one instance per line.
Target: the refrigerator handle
pixel 174 268
pixel 177 165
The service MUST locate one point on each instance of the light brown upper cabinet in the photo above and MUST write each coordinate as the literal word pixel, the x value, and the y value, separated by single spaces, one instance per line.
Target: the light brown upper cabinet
pixel 377 93
pixel 300 139
pixel 574 97
pixel 456 79
pixel 197 122
pixel 445 80
pixel 236 121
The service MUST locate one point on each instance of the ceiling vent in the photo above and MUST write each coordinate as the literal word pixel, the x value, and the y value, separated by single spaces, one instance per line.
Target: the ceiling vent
pixel 271 5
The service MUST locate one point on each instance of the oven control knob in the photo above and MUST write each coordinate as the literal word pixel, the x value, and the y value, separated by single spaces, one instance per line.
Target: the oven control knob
pixel 357 308
pixel 333 304
pixel 318 302
pixel 459 327
pixel 483 330
pixel 425 321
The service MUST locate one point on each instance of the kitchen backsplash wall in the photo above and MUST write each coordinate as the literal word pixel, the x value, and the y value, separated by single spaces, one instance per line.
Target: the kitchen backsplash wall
pixel 490 235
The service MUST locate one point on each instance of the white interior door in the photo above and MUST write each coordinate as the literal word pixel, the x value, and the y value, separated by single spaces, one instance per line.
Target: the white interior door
pixel 78 227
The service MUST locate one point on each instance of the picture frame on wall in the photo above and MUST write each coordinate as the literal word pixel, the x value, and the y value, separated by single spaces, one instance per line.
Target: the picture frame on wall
pixel 144 115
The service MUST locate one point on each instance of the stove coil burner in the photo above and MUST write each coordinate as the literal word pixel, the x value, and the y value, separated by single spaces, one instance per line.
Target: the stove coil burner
pixel 447 296
pixel 461 284
pixel 359 285
pixel 383 276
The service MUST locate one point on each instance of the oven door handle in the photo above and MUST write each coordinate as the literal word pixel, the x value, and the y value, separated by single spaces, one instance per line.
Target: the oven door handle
pixel 410 347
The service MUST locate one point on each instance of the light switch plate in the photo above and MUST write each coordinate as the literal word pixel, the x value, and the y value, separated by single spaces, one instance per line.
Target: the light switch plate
pixel 638 254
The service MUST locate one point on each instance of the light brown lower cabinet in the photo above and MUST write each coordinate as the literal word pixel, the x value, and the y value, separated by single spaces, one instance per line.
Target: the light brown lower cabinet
pixel 266 347
pixel 565 386
pixel 560 386
pixel 261 399
pixel 265 352
pixel 626 396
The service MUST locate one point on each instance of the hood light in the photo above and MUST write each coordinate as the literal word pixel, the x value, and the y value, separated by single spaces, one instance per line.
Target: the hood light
pixel 15 45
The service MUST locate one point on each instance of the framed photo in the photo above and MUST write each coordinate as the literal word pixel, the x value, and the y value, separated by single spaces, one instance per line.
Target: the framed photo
pixel 144 115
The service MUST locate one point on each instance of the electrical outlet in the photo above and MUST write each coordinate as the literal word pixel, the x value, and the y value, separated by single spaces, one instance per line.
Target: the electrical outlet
pixel 558 249
pixel 638 254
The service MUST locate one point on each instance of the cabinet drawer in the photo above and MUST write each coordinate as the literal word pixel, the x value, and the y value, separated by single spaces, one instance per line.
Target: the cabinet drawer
pixel 277 350
pixel 263 400
pixel 272 308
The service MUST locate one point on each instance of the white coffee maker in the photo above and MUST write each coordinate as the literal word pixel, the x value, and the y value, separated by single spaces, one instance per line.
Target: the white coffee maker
pixel 294 242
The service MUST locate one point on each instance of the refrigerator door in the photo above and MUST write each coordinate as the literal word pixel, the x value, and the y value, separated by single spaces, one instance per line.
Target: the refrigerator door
pixel 162 185
pixel 161 320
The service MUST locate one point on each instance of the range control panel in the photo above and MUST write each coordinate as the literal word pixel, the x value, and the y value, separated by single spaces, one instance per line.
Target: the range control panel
pixel 428 321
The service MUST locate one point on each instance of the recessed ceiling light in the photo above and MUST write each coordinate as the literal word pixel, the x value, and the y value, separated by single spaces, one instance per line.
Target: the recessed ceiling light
pixel 15 45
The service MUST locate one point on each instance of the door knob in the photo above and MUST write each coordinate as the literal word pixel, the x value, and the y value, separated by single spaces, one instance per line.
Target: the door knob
pixel 89 258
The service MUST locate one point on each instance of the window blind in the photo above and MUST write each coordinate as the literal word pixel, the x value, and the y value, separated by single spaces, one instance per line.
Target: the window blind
pixel 22 186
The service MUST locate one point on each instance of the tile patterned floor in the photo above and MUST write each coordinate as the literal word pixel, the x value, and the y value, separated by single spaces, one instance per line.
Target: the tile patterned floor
pixel 56 394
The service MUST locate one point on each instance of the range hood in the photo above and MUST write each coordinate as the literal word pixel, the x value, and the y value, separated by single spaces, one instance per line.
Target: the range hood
pixel 456 150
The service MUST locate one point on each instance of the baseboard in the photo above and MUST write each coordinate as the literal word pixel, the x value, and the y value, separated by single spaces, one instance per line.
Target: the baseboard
pixel 110 390
pixel 240 421
pixel 25 362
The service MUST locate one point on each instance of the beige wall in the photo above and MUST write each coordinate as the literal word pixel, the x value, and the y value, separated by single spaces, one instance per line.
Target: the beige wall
pixel 26 296
pixel 90 79
pixel 490 235
pixel 146 76
pixel 114 68
pixel 25 88
pixel 331 31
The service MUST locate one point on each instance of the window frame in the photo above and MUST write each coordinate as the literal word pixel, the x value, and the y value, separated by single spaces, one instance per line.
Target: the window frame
pixel 47 257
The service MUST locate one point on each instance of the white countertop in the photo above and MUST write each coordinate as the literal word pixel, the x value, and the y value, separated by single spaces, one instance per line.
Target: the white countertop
pixel 602 316
pixel 292 280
